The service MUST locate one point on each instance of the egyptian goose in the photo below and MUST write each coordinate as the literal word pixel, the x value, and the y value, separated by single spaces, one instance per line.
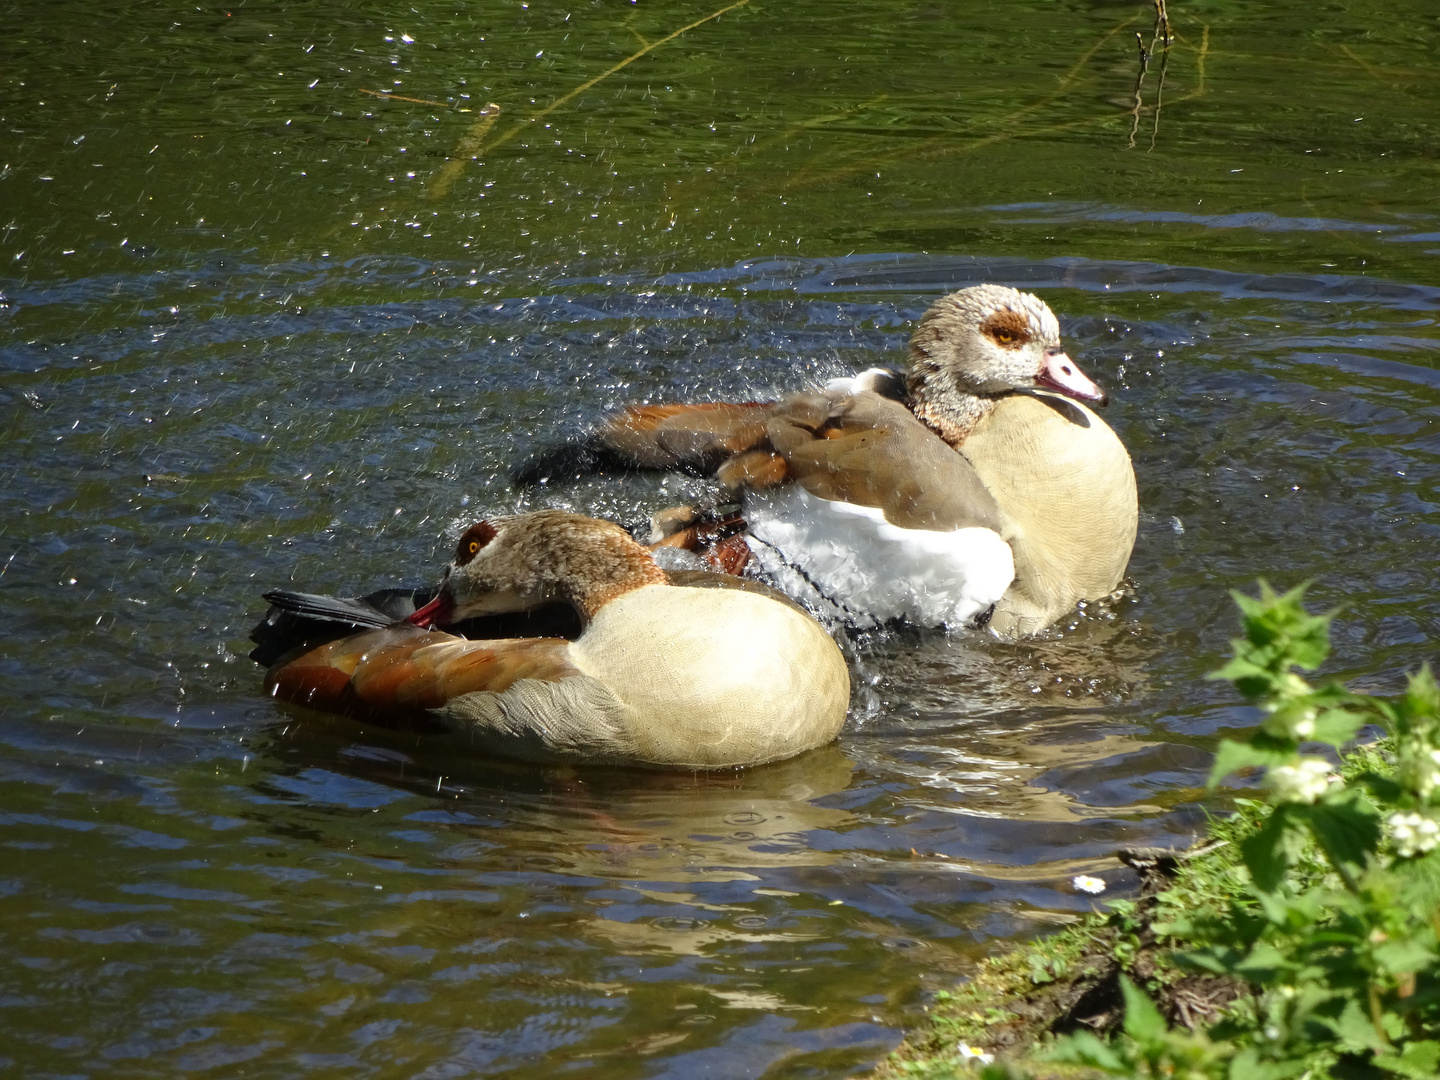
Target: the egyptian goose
pixel 858 490
pixel 660 676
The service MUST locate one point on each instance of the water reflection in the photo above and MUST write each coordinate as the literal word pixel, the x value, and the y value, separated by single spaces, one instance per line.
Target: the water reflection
pixel 673 827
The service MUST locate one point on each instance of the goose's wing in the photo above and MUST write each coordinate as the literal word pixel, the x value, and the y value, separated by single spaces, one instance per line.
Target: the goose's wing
pixel 295 619
pixel 871 451
pixel 691 437
pixel 401 670
pixel 375 610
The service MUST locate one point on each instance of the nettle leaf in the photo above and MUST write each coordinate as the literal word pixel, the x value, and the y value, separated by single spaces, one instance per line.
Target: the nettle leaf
pixel 1179 925
pixel 1384 789
pixel 1403 956
pixel 1267 852
pixel 1337 726
pixel 1292 913
pixel 1264 960
pixel 1243 664
pixel 1218 961
pixel 1420 1060
pixel 1246 1065
pixel 1422 695
pixel 1279 1070
pixel 1249 677
pixel 1232 756
pixel 1355 1029
pixel 1420 879
pixel 1143 1021
pixel 1346 828
pixel 1281 621
pixel 1083 1048
pixel 1310 641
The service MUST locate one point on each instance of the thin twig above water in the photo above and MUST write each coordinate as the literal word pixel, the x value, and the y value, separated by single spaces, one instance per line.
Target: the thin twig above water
pixel 1139 86
pixel 1160 36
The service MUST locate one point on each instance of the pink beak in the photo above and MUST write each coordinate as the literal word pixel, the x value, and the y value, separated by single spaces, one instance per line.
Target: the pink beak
pixel 436 613
pixel 1061 373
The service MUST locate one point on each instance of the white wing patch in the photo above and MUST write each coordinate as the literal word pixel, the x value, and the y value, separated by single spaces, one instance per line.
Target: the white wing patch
pixel 857 559
pixel 874 380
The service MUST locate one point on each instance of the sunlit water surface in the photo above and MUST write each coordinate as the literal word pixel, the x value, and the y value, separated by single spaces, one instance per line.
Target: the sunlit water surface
pixel 195 882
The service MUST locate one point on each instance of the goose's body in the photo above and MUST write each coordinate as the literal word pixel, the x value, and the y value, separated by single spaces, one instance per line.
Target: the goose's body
pixel 661 676
pixel 980 484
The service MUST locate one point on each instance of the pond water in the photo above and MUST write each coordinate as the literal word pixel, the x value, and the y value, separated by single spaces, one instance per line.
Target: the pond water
pixel 286 288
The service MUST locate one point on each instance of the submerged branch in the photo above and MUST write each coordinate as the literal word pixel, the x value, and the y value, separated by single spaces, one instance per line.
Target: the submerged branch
pixel 573 94
pixel 467 149
pixel 386 95
pixel 944 145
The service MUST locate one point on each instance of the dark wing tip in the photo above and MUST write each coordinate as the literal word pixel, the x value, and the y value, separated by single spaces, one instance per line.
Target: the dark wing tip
pixel 566 461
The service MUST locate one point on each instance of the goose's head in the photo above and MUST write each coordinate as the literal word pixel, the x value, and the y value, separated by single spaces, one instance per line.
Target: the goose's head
pixel 990 340
pixel 525 561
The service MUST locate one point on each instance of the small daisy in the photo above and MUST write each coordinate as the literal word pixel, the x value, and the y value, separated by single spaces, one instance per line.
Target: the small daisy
pixel 974 1053
pixel 1086 883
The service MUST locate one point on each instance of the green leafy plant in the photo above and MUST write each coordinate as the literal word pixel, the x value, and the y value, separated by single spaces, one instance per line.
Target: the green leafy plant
pixel 1335 924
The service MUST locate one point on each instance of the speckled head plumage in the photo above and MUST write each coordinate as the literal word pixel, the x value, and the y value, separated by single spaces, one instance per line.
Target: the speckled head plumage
pixel 980 343
pixel 523 561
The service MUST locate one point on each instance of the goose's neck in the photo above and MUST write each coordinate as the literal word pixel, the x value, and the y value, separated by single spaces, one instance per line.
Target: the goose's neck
pixel 946 410
pixel 591 586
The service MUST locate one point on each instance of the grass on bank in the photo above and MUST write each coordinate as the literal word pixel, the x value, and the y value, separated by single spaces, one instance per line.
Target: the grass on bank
pixel 1302 939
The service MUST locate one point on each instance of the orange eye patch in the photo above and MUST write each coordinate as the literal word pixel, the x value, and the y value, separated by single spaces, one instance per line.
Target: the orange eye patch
pixel 1008 329
pixel 472 540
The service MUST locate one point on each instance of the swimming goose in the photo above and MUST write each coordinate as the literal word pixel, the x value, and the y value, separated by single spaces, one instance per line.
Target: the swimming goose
pixel 661 675
pixel 859 491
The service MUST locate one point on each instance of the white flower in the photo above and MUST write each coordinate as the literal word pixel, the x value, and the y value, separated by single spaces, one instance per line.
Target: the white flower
pixel 974 1053
pixel 1303 782
pixel 1086 883
pixel 1414 834
pixel 1292 685
pixel 1419 771
pixel 1292 721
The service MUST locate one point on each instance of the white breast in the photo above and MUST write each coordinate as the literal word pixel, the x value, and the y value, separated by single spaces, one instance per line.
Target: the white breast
pixel 869 567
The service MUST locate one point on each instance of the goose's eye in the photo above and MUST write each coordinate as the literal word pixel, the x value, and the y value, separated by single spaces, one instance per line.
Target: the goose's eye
pixel 474 538
pixel 1006 328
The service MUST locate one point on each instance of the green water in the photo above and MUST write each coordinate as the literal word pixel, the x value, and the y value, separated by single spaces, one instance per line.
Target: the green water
pixel 268 322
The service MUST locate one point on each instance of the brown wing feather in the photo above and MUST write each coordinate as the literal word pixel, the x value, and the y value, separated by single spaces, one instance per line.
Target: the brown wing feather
pixel 753 470
pixel 684 436
pixel 872 451
pixel 401 670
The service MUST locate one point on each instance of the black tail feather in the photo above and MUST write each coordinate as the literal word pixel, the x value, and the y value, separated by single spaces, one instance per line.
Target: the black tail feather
pixel 298 621
pixel 306 620
pixel 375 610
